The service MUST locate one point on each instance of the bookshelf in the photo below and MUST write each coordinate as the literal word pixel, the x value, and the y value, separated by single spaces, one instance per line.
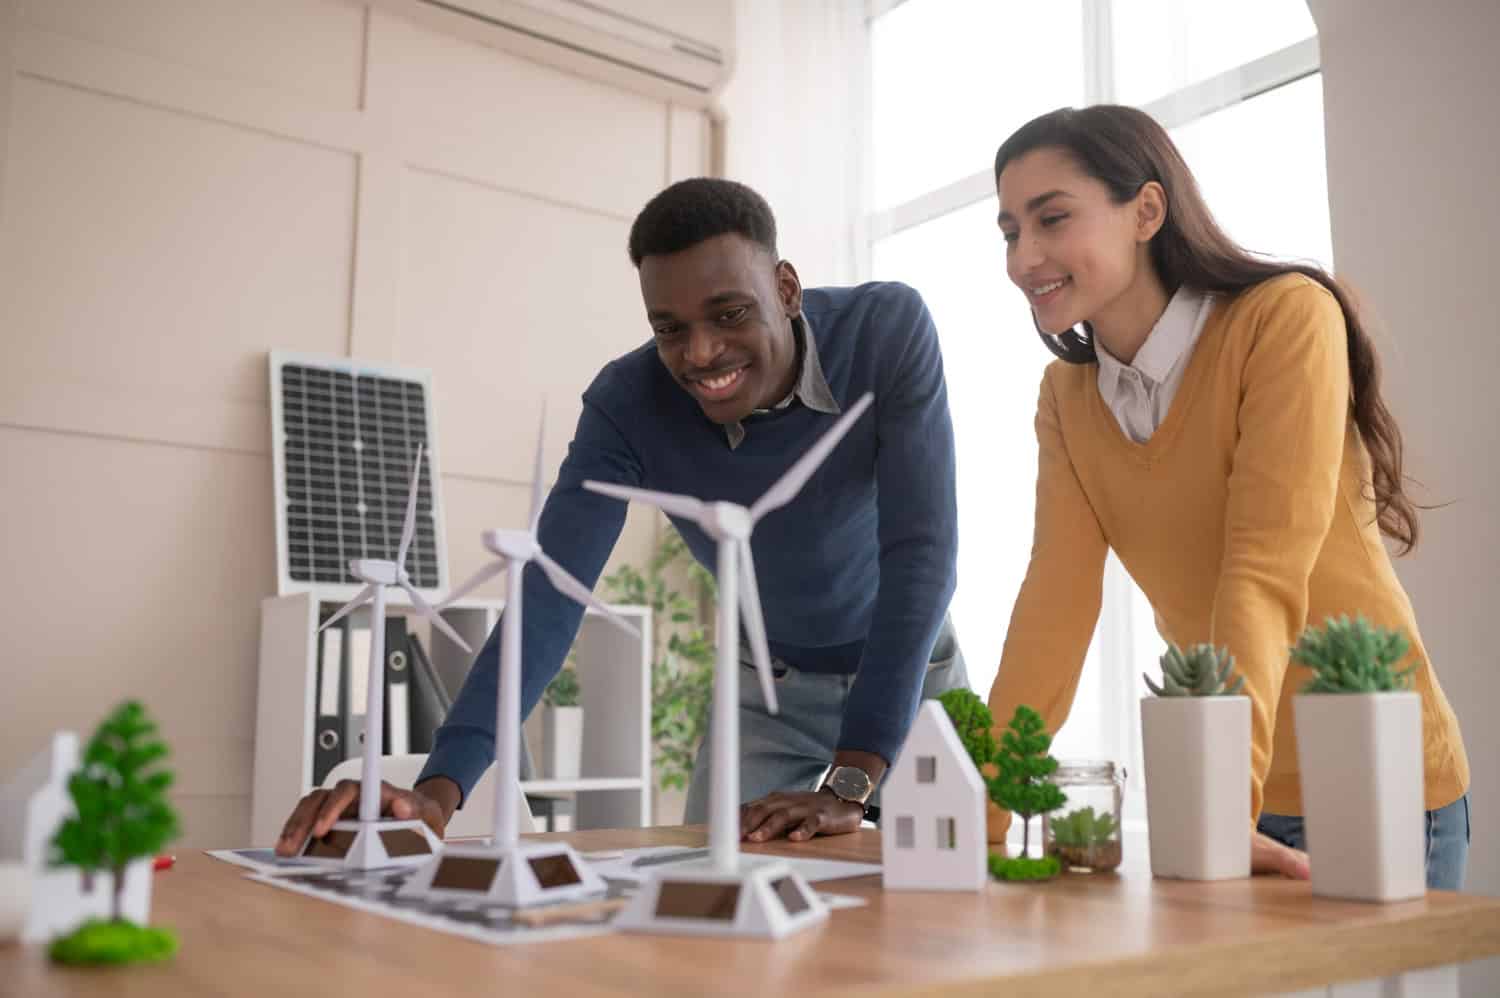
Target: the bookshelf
pixel 614 671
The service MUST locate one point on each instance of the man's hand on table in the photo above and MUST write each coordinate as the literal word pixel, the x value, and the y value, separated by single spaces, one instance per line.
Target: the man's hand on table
pixel 799 816
pixel 1269 856
pixel 433 801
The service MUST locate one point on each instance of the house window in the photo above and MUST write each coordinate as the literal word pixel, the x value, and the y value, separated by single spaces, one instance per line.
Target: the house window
pixel 906 832
pixel 947 833
pixel 926 769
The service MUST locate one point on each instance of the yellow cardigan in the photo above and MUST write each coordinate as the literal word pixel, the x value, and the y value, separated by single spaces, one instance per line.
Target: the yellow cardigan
pixel 1246 517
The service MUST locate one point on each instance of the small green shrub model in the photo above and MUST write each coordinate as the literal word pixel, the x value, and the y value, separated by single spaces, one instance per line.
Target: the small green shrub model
pixel 1023 867
pixel 974 723
pixel 563 690
pixel 1022 786
pixel 122 814
pixel 1201 671
pixel 1353 656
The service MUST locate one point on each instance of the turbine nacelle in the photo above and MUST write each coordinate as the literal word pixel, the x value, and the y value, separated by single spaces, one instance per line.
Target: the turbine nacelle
pixel 514 545
pixel 726 521
pixel 377 571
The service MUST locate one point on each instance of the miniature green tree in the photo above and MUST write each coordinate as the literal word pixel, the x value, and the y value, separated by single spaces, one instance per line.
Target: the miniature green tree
pixel 1201 671
pixel 1022 786
pixel 120 795
pixel 1353 656
pixel 974 723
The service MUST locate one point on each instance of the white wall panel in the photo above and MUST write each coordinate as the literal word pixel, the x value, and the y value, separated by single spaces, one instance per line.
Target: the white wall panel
pixel 313 49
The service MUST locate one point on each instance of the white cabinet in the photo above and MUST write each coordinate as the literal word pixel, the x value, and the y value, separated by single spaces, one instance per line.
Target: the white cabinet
pixel 614 671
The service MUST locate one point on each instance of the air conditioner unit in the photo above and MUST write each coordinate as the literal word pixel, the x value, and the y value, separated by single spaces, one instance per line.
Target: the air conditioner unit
pixel 669 49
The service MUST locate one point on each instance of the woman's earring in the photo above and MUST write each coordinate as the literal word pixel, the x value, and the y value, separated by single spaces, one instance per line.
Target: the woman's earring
pixel 1072 346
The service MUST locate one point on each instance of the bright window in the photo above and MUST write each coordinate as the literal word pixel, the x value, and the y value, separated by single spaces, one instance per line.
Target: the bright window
pixel 1236 84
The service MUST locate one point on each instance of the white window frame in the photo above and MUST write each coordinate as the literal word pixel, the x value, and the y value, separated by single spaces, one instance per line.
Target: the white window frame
pixel 1114 637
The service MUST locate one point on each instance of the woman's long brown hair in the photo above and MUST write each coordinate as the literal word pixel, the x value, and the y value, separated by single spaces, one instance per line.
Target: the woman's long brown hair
pixel 1125 149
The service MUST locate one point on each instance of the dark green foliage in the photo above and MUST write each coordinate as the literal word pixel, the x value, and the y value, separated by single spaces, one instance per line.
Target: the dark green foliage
pixel 1023 867
pixel 682 676
pixel 1022 786
pixel 100 942
pixel 1082 828
pixel 974 723
pixel 1201 671
pixel 120 793
pixel 563 690
pixel 1353 656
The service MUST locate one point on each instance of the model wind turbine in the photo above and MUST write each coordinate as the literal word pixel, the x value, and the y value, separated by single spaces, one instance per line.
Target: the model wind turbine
pixel 730 894
pixel 506 871
pixel 373 841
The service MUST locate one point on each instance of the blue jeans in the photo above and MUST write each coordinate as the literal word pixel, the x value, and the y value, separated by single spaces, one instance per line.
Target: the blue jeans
pixel 1447 831
pixel 792 750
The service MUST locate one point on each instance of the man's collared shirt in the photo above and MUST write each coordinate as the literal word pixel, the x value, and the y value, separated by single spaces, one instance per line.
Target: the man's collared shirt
pixel 811 387
pixel 1140 393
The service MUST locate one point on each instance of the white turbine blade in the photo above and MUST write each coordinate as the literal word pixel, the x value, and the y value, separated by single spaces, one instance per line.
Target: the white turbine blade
pixel 409 527
pixel 786 489
pixel 536 474
pixel 755 626
pixel 358 601
pixel 474 581
pixel 578 592
pixel 425 608
pixel 685 506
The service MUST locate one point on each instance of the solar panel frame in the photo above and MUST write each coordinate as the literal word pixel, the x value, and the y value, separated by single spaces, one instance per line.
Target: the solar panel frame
pixel 344 433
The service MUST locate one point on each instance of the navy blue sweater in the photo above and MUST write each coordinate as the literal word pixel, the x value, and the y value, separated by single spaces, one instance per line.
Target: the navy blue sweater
pixel 855 573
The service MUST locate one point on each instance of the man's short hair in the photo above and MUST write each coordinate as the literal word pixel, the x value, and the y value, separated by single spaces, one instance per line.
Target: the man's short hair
pixel 690 211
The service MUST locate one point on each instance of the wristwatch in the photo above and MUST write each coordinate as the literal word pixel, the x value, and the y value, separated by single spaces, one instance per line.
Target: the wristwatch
pixel 854 785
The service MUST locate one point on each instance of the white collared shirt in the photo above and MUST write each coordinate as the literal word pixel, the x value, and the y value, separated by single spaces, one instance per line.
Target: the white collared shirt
pixel 1141 392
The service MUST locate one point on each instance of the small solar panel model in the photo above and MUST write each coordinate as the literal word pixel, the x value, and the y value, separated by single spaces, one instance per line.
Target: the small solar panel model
pixel 507 871
pixel 344 433
pixel 371 841
pixel 729 894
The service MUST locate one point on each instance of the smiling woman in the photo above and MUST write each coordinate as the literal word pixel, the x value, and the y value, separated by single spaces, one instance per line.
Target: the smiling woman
pixel 1218 424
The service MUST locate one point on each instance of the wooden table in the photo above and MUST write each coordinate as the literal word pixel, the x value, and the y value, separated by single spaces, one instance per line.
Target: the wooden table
pixel 1116 935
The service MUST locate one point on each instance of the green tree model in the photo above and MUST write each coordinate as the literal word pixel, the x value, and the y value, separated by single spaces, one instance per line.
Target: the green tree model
pixel 120 794
pixel 1022 786
pixel 974 723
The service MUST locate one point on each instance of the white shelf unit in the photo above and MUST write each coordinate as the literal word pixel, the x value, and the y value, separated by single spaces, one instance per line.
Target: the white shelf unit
pixel 614 672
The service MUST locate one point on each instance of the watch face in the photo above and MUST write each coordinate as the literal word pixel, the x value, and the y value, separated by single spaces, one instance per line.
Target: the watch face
pixel 850 783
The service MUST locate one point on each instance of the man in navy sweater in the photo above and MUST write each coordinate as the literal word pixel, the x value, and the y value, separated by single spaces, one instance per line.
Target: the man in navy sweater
pixel 745 371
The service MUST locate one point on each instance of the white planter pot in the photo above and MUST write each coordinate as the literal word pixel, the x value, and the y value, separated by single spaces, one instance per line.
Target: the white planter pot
pixel 1362 793
pixel 15 899
pixel 1197 755
pixel 562 742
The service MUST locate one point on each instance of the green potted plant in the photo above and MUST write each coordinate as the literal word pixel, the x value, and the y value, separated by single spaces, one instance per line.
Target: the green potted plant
pixel 1359 748
pixel 1085 840
pixel 1022 787
pixel 681 594
pixel 122 816
pixel 562 725
pixel 1195 734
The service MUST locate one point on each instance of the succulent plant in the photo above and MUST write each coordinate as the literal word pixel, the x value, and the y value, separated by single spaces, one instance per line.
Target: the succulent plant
pixel 1082 828
pixel 1201 671
pixel 1353 656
